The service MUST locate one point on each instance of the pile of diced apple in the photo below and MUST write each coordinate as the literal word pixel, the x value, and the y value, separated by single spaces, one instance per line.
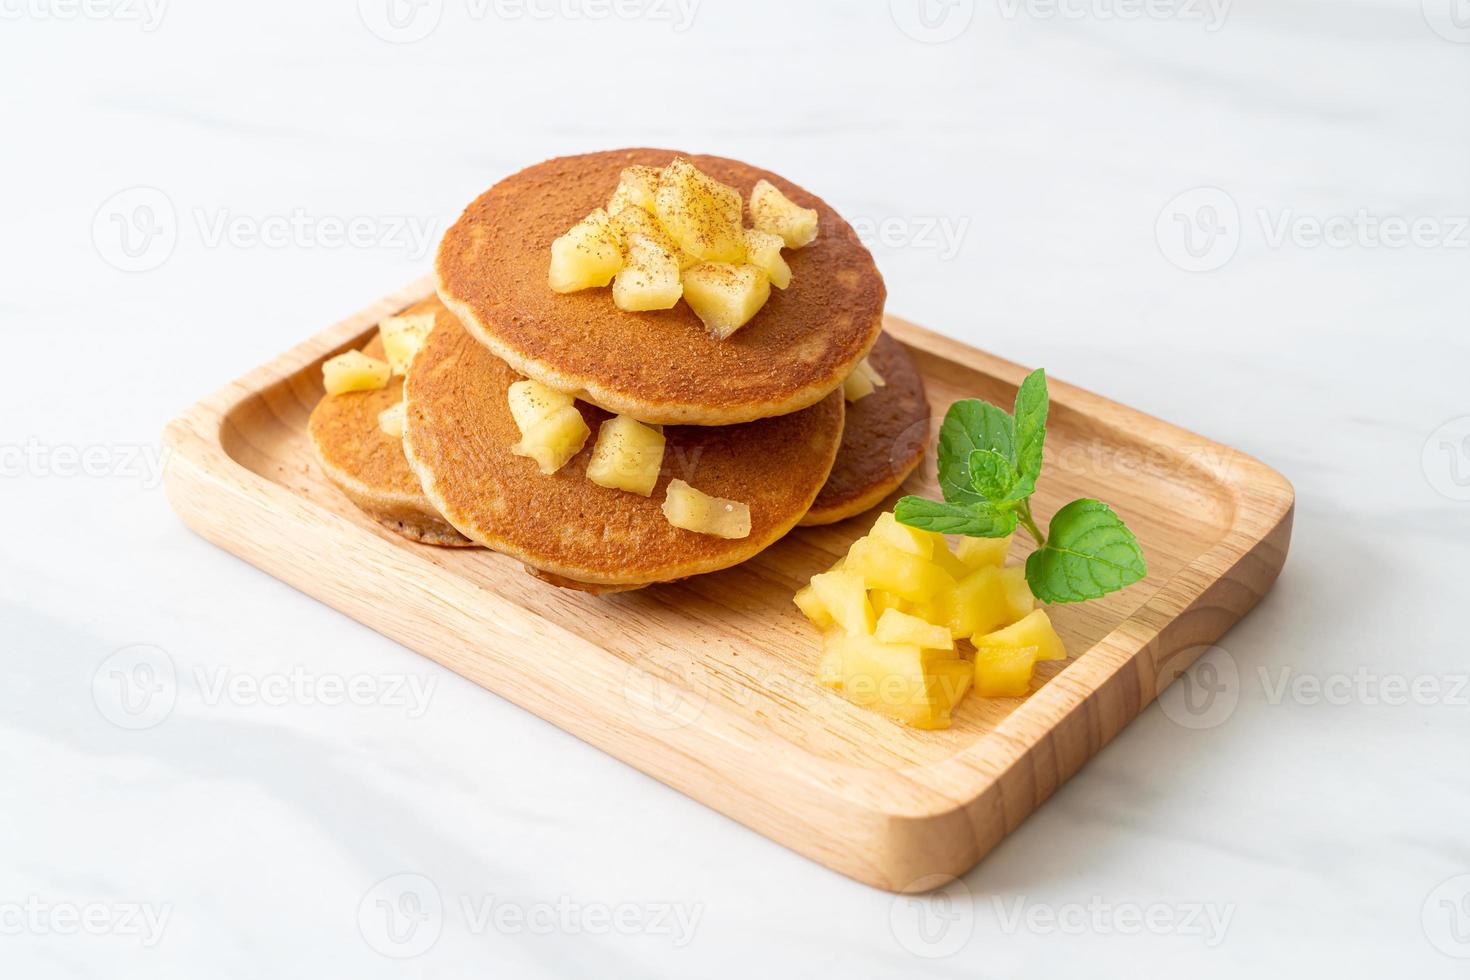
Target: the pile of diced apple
pixel 676 233
pixel 893 609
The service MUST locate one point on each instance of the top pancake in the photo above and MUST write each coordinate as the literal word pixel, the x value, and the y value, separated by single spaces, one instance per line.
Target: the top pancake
pixel 458 437
pixel 660 366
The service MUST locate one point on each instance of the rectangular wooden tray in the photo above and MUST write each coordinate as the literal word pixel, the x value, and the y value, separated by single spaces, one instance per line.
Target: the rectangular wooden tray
pixel 708 684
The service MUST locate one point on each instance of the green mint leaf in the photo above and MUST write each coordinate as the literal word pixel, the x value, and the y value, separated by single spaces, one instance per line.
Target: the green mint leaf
pixel 991 475
pixel 1032 402
pixel 1089 552
pixel 969 425
pixel 976 521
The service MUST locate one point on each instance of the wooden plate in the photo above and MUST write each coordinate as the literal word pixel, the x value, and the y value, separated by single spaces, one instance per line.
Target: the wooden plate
pixel 708 684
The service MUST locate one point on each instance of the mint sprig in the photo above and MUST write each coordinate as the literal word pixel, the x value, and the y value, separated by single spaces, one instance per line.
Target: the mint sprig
pixel 989 462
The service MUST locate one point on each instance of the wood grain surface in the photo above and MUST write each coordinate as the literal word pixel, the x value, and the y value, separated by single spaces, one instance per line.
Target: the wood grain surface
pixel 708 684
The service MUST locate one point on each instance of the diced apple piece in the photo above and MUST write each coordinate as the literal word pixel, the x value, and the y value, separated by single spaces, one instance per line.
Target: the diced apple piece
pixel 637 186
pixel 883 599
pixel 763 249
pixel 867 655
pixel 390 421
pixel 649 280
pixel 774 212
pixel 883 566
pixel 403 336
pixel 900 627
pixel 905 682
pixel 588 255
pixel 829 669
pixel 856 387
pixel 725 296
pixel 862 382
pixel 946 559
pixel 905 538
pixel 1033 632
pixel 947 684
pixel 978 603
pixel 532 401
pixel 1019 600
pixel 630 221
pixel 700 213
pixel 628 455
pixel 812 607
pixel 979 552
pixel 688 508
pixel 934 609
pixel 354 371
pixel 1004 672
pixel 554 439
pixel 844 597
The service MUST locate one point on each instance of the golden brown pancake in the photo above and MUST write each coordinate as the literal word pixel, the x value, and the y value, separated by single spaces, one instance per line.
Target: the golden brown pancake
pixel 883 441
pixel 574 585
pixel 458 439
pixel 368 465
pixel 660 366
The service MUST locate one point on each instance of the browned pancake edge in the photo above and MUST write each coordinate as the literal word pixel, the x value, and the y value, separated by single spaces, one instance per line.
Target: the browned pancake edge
pixel 660 366
pixel 883 442
pixel 458 440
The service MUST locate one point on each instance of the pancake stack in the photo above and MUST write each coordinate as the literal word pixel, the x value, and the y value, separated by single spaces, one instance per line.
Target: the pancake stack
pixel 760 418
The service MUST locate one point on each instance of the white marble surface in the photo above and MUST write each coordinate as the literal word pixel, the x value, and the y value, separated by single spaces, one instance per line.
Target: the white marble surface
pixel 1018 180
